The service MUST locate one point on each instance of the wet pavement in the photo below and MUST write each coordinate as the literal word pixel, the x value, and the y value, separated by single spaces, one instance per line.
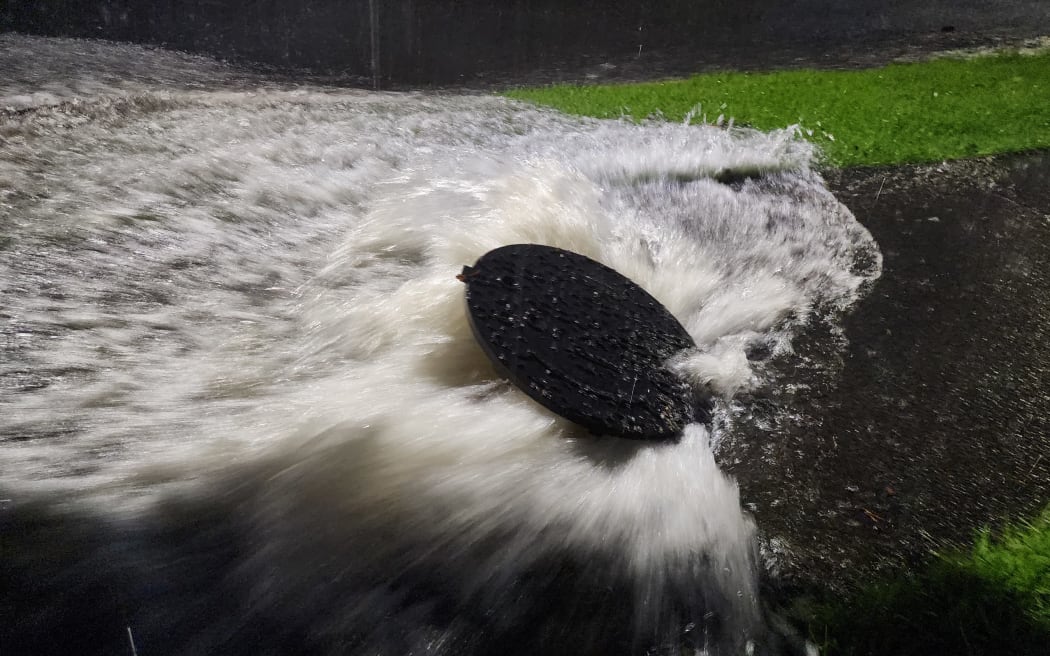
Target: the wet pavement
pixel 933 418
pixel 755 55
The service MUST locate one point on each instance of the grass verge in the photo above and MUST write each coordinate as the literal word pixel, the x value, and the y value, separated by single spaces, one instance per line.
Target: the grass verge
pixel 991 599
pixel 902 113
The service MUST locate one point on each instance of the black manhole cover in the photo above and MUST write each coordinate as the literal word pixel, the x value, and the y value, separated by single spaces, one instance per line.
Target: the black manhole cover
pixel 580 339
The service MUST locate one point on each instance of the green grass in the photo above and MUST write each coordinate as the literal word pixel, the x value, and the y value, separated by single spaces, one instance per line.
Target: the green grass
pixel 919 112
pixel 1019 561
pixel 991 599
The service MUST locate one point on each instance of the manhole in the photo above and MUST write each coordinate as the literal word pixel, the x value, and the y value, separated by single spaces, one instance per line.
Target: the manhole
pixel 581 339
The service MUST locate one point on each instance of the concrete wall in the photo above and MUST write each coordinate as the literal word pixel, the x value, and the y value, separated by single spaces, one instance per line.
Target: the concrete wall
pixel 415 40
pixel 443 41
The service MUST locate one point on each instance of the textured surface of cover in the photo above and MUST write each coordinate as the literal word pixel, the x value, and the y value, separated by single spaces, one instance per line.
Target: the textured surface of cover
pixel 581 339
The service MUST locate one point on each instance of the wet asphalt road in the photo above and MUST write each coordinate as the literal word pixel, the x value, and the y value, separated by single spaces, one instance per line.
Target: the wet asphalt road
pixel 934 418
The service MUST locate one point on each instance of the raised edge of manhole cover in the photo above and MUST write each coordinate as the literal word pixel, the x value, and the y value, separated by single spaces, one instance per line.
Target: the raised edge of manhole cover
pixel 581 339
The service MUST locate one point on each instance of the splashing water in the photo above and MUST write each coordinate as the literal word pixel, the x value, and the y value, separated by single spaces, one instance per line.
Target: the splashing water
pixel 223 297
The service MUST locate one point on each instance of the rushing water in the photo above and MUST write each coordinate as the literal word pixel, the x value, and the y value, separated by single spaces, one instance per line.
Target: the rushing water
pixel 238 386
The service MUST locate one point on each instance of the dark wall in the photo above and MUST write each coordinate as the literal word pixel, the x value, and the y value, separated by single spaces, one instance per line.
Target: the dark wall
pixel 416 40
pixel 442 41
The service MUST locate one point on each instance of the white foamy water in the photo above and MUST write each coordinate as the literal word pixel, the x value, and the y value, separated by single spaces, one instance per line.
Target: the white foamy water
pixel 215 287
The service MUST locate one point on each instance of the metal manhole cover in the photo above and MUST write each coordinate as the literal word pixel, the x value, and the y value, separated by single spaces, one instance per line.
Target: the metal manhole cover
pixel 581 339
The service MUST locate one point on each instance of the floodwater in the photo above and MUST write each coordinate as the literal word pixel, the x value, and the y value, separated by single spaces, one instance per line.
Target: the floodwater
pixel 242 409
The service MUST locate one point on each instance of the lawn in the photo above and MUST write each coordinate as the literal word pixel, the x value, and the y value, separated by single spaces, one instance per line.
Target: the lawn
pixel 993 598
pixel 945 108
